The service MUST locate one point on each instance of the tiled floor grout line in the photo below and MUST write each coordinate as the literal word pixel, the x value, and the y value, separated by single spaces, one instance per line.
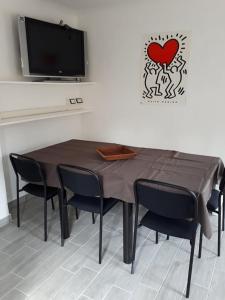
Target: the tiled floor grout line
pixel 83 245
pixel 35 227
pixel 20 291
pixel 43 282
pixel 110 258
pixel 147 266
pixel 98 272
pixel 15 287
pixel 73 236
pixel 80 247
pixel 73 273
pixel 210 283
pixel 150 261
pixel 201 286
pixel 213 271
pixel 169 268
pixel 117 288
pixel 81 296
pixel 147 286
pixel 21 277
pixel 122 289
pixel 26 245
pixel 6 294
pixel 184 290
pixel 26 298
pixel 24 236
pixel 61 265
pixel 62 287
pixel 1 252
pixel 82 230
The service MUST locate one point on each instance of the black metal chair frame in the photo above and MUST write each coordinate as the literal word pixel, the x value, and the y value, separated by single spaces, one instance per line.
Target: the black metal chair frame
pixel 220 212
pixel 41 181
pixel 64 201
pixel 195 220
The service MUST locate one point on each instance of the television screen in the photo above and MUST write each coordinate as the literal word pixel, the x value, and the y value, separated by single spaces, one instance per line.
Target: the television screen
pixel 54 50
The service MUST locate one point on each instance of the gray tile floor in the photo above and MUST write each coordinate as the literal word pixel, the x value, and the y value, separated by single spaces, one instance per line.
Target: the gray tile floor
pixel 33 269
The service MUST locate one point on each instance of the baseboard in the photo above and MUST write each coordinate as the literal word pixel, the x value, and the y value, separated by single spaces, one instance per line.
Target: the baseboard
pixel 5 220
pixel 24 197
pixel 12 200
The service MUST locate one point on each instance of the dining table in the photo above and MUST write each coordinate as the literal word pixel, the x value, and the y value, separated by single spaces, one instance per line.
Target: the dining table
pixel 198 173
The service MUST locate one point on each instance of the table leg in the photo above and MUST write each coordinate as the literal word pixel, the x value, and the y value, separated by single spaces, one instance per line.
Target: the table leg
pixel 127 232
pixel 66 224
pixel 65 219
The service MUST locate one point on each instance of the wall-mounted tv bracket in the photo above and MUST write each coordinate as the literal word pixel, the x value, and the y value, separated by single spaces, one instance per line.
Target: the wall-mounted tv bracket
pixel 66 26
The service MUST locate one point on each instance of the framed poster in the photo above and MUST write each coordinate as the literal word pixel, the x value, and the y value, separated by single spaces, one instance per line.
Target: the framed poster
pixel 165 68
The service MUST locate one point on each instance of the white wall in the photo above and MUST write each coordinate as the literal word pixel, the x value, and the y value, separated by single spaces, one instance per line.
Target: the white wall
pixel 115 35
pixel 4 212
pixel 25 137
pixel 115 32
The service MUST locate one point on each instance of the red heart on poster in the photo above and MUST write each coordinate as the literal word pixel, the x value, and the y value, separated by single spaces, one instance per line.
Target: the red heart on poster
pixel 163 54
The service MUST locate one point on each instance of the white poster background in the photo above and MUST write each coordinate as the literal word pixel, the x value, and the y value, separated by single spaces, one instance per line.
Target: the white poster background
pixel 165 68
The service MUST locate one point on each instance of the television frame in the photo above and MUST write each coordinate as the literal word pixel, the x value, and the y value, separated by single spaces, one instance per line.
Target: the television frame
pixel 25 59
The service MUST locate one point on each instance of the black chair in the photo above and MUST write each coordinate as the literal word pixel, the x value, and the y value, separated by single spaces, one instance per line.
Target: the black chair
pixel 214 205
pixel 87 190
pixel 172 210
pixel 31 172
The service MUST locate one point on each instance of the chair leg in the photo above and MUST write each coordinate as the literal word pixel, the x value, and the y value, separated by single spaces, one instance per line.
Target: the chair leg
pixel 45 220
pixel 200 243
pixel 18 208
pixel 156 237
pixel 61 215
pixel 223 216
pixel 219 228
pixel 62 228
pixel 77 213
pixel 93 218
pixel 53 205
pixel 100 239
pixel 190 267
pixel 168 237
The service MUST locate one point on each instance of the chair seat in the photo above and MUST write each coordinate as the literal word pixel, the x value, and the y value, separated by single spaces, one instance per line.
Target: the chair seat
pixel 38 190
pixel 173 227
pixel 92 204
pixel 213 202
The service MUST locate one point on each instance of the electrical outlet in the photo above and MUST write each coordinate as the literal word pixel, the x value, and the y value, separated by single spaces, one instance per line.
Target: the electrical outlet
pixel 71 101
pixel 79 100
pixel 74 101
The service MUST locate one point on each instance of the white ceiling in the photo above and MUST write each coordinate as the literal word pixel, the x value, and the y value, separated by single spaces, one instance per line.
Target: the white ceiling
pixel 85 4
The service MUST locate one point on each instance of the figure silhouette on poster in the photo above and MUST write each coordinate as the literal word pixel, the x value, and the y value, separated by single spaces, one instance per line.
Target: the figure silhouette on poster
pixel 175 77
pixel 151 75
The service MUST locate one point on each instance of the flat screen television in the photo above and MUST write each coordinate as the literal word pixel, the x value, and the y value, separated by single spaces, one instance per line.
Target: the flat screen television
pixel 51 50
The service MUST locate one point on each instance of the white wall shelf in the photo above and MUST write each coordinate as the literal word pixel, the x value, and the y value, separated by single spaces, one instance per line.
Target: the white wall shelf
pixel 77 83
pixel 24 116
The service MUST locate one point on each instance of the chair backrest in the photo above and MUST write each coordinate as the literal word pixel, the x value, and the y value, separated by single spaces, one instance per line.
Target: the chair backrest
pixel 165 199
pixel 29 169
pixel 80 180
pixel 222 182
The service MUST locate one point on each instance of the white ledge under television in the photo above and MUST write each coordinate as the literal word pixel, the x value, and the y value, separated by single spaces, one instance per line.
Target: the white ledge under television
pixel 28 115
pixel 48 82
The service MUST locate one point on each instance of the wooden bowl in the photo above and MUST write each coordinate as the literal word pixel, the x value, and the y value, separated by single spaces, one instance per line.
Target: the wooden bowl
pixel 115 152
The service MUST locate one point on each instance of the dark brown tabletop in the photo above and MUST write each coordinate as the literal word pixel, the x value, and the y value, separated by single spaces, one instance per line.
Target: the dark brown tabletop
pixel 196 172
